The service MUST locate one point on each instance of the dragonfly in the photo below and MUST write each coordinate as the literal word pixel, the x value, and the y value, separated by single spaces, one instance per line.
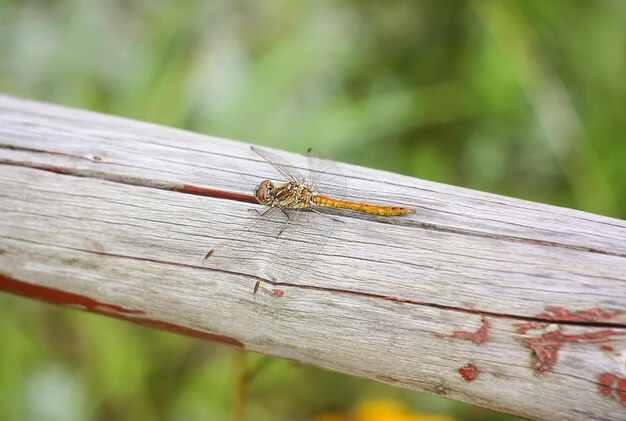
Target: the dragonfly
pixel 282 241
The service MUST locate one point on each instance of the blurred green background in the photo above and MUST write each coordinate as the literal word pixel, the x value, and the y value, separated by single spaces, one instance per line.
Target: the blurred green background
pixel 521 98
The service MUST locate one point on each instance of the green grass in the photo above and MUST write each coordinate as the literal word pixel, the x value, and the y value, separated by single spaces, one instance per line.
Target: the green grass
pixel 521 98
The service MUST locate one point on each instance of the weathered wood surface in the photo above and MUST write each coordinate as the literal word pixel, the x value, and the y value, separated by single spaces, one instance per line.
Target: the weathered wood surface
pixel 507 304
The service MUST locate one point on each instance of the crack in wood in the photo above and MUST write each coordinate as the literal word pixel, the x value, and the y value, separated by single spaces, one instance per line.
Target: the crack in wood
pixel 529 319
pixel 34 150
pixel 220 194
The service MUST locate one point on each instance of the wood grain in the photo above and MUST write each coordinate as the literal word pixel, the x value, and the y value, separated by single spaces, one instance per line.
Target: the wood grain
pixel 507 304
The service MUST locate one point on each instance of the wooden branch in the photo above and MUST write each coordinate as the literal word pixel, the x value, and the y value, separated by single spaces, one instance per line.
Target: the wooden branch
pixel 511 305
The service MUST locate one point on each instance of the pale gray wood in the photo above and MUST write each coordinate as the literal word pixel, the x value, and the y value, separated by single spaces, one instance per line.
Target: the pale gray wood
pixel 88 206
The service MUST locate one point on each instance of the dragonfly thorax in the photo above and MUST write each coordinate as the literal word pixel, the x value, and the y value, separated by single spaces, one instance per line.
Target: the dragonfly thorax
pixel 287 195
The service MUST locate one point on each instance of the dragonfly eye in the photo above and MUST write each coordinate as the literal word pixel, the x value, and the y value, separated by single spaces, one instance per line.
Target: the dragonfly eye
pixel 263 192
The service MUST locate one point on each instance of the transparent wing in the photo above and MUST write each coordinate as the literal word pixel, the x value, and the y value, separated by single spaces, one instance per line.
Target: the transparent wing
pixel 273 247
pixel 325 176
pixel 281 165
pixel 302 240
pixel 247 249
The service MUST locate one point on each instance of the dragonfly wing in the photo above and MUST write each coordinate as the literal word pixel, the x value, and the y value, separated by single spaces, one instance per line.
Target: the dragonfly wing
pixel 247 249
pixel 303 239
pixel 325 176
pixel 281 165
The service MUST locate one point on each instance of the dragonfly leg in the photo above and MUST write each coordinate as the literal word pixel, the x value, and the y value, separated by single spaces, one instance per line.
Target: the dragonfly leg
pixel 286 222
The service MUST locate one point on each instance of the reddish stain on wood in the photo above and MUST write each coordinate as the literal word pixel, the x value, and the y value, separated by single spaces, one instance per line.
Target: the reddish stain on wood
pixel 469 372
pixel 525 327
pixel 220 194
pixel 59 297
pixel 277 293
pixel 67 298
pixel 57 170
pixel 562 314
pixel 183 330
pixel 479 337
pixel 545 349
pixel 613 387
pixel 608 348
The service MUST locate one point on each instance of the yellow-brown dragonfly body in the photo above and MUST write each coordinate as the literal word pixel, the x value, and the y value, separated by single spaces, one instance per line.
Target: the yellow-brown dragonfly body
pixel 292 195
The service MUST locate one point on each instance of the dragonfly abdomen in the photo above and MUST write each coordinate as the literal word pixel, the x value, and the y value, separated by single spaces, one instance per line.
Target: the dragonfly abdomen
pixel 330 202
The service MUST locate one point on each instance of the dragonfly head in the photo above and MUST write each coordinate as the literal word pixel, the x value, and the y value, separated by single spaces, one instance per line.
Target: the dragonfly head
pixel 263 193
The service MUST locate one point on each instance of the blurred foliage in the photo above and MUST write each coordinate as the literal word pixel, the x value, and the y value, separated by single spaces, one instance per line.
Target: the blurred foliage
pixel 522 98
